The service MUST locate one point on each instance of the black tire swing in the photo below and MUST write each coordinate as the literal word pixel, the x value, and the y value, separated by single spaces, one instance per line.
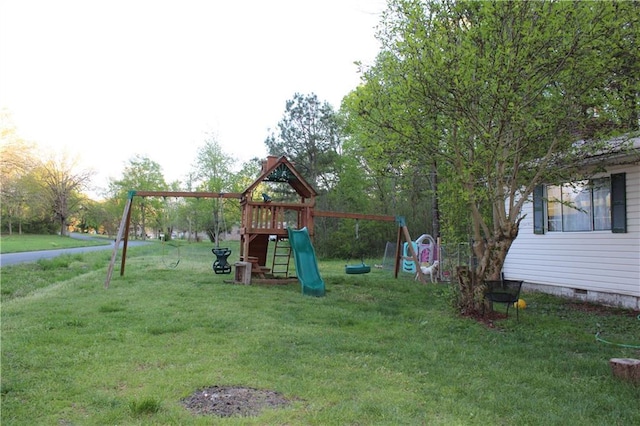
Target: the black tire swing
pixel 361 268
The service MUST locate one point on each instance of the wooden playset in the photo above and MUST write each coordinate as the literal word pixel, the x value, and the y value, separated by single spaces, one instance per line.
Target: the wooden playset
pixel 263 220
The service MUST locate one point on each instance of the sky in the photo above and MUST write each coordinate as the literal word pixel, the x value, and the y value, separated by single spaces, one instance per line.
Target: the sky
pixel 107 80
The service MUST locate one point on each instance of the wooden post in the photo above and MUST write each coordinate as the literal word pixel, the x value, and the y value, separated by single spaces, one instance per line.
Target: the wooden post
pixel 403 231
pixel 413 253
pixel 125 243
pixel 398 252
pixel 125 215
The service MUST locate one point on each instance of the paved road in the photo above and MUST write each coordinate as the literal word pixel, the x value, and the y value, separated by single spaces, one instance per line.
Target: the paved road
pixel 33 256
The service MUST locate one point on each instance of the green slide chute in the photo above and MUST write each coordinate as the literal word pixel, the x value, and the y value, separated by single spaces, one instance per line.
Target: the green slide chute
pixel 306 263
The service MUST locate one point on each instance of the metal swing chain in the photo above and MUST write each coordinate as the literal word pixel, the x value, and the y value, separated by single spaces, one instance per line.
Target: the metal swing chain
pixel 175 252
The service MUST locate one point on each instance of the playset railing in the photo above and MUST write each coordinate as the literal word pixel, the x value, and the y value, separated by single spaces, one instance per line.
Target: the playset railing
pixel 273 218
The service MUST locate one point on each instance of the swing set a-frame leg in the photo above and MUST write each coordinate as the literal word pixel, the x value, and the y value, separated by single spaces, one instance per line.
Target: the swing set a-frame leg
pixel 123 231
pixel 403 231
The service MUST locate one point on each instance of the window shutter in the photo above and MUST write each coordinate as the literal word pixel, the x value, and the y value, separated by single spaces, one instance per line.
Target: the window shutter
pixel 538 209
pixel 618 203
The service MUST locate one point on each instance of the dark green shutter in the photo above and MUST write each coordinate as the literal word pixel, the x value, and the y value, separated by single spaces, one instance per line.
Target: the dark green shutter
pixel 618 203
pixel 538 209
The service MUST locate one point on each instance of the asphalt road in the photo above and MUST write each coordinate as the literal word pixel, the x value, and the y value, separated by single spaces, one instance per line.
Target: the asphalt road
pixel 33 256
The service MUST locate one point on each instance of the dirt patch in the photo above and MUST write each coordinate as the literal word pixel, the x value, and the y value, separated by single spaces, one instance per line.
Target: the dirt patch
pixel 233 401
pixel 488 318
pixel 601 309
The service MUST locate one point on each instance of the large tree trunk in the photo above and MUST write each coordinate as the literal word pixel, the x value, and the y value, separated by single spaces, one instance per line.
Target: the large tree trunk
pixel 491 255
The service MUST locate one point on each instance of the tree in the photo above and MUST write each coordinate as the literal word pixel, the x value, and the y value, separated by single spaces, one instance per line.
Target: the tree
pixel 141 174
pixel 62 185
pixel 495 93
pixel 94 215
pixel 309 135
pixel 111 210
pixel 389 138
pixel 213 173
pixel 17 160
pixel 358 189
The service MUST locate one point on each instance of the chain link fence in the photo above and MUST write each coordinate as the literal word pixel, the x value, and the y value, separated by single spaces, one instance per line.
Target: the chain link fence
pixel 450 256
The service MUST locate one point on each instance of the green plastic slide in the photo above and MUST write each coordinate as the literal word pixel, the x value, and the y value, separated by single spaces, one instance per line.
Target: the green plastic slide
pixel 306 263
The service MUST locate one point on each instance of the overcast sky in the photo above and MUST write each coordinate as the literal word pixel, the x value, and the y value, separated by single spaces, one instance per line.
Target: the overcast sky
pixel 111 79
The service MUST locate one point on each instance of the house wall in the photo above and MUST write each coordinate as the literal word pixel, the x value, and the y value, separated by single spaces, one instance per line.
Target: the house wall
pixel 599 266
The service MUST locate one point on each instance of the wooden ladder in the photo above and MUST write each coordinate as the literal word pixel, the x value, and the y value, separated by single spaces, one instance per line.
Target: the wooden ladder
pixel 281 257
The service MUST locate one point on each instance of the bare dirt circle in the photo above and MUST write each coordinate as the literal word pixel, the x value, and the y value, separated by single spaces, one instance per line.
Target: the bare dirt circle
pixel 233 401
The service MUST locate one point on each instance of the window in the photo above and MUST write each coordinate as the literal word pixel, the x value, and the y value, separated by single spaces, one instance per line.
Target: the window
pixel 601 202
pixel 579 206
pixel 587 205
pixel 554 208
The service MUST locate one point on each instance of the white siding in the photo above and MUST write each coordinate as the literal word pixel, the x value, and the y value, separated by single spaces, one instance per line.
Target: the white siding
pixel 600 262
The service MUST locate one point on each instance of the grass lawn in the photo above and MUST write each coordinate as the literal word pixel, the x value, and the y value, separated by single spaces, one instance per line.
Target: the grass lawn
pixel 20 243
pixel 375 350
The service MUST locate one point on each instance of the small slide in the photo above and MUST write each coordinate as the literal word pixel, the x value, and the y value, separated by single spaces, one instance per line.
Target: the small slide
pixel 306 263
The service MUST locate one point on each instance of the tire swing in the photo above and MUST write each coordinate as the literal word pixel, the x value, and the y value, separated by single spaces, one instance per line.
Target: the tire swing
pixel 361 268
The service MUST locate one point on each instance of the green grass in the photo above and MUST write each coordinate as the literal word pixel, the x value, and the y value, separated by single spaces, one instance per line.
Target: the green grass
pixel 21 243
pixel 375 350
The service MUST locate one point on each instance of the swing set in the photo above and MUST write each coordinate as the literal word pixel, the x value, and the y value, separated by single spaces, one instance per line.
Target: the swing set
pixel 263 219
pixel 403 234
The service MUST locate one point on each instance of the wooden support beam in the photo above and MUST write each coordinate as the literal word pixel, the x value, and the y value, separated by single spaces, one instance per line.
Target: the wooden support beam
pixel 187 194
pixel 345 215
pixel 403 231
pixel 125 243
pixel 123 223
pixel 398 253
pixel 413 253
